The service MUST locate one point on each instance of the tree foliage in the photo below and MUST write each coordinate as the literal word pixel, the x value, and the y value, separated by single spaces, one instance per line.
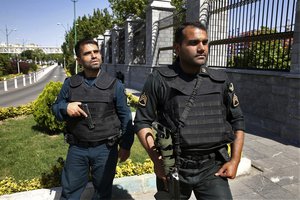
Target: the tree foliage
pixel 261 54
pixel 123 9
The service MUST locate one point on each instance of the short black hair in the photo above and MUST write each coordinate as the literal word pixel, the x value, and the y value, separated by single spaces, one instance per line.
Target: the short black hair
pixel 179 31
pixel 83 42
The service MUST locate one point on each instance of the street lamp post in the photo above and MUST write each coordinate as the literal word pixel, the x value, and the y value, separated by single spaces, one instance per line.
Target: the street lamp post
pixel 75 32
pixel 66 31
pixel 7 33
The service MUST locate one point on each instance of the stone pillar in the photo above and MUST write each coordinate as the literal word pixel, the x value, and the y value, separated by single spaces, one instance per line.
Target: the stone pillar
pixel 115 44
pixel 106 52
pixel 100 41
pixel 156 10
pixel 128 41
pixel 295 54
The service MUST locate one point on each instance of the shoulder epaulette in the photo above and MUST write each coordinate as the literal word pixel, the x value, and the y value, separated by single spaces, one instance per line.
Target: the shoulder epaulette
pixel 217 75
pixel 167 71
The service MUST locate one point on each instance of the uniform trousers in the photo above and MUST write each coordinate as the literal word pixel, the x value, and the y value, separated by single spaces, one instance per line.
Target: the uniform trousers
pixel 99 161
pixel 199 176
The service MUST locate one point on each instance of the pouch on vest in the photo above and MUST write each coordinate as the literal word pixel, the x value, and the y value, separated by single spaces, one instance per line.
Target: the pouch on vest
pixel 165 145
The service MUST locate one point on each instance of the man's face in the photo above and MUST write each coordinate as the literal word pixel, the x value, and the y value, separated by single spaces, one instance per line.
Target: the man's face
pixel 90 57
pixel 193 50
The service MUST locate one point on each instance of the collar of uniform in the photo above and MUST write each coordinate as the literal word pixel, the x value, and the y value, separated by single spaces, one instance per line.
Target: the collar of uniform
pixel 182 81
pixel 104 80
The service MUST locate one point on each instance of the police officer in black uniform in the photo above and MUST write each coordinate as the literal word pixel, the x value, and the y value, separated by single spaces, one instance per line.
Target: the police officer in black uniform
pixel 214 119
pixel 94 106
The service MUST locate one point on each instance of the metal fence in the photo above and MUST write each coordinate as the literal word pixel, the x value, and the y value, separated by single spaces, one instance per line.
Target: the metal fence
pixel 252 34
pixel 139 43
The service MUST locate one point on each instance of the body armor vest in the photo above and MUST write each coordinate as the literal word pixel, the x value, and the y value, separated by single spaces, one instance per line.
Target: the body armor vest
pixel 206 126
pixel 99 99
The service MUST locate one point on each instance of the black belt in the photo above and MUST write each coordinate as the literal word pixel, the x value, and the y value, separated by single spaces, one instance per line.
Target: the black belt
pixel 90 144
pixel 196 161
pixel 69 138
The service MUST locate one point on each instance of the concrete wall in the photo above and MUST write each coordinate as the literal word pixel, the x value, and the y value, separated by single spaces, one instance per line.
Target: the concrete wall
pixel 270 101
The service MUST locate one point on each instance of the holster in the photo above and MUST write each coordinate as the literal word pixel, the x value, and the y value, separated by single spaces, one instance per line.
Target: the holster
pixel 224 154
pixel 164 144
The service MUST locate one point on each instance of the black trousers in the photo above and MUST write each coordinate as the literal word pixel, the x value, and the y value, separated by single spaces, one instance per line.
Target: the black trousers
pixel 199 176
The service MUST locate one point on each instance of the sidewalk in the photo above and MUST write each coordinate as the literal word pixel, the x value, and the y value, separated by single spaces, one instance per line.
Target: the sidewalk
pixel 275 172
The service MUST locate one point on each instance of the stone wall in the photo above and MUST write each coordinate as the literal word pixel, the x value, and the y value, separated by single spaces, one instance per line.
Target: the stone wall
pixel 270 101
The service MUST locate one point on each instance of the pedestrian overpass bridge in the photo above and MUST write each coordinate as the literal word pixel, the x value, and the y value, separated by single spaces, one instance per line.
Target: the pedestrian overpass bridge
pixel 17 49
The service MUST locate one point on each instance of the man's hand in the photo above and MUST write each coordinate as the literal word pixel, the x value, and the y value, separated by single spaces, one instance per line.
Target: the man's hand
pixel 159 169
pixel 73 110
pixel 123 154
pixel 228 170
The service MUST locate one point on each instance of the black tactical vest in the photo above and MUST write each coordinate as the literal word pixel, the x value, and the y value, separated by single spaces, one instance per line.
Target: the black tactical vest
pixel 206 125
pixel 99 98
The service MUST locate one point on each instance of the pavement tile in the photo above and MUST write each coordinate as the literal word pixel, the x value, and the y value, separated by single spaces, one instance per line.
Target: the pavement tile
pixel 267 151
pixel 279 194
pixel 252 153
pixel 293 188
pixel 291 151
pixel 285 176
pixel 259 183
pixel 273 163
pixel 248 196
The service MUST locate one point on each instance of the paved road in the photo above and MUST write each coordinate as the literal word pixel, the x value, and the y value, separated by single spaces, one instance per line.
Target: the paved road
pixel 23 95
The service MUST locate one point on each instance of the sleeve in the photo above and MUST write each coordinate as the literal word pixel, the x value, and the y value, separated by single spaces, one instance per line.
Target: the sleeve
pixel 124 114
pixel 234 112
pixel 148 102
pixel 59 108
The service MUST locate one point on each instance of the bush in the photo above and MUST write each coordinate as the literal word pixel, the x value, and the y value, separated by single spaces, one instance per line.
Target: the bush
pixel 132 100
pixel 42 109
pixel 52 179
pixel 10 112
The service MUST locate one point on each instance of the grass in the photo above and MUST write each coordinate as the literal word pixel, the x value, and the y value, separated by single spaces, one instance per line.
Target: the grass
pixel 26 152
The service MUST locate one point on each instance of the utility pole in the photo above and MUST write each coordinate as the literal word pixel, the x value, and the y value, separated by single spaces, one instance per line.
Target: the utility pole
pixel 7 33
pixel 75 33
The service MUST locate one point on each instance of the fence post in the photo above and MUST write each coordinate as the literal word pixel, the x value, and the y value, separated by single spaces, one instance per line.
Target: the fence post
pixel 115 44
pixel 24 80
pixel 106 51
pixel 100 41
pixel 295 54
pixel 128 41
pixel 30 81
pixel 16 82
pixel 5 84
pixel 155 9
pixel 34 77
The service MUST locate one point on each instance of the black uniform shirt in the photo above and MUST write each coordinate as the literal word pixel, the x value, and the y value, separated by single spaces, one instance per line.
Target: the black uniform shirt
pixel 155 93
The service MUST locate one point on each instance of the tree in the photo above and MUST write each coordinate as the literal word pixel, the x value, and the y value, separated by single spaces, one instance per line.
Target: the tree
pixel 5 64
pixel 122 9
pixel 261 54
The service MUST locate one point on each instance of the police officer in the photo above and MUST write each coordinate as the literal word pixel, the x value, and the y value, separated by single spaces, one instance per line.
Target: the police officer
pixel 94 106
pixel 214 118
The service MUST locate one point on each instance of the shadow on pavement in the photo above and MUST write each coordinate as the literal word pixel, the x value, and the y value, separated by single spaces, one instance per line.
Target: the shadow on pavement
pixel 119 193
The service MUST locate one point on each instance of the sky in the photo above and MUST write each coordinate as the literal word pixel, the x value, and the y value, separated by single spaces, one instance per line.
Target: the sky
pixel 36 21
